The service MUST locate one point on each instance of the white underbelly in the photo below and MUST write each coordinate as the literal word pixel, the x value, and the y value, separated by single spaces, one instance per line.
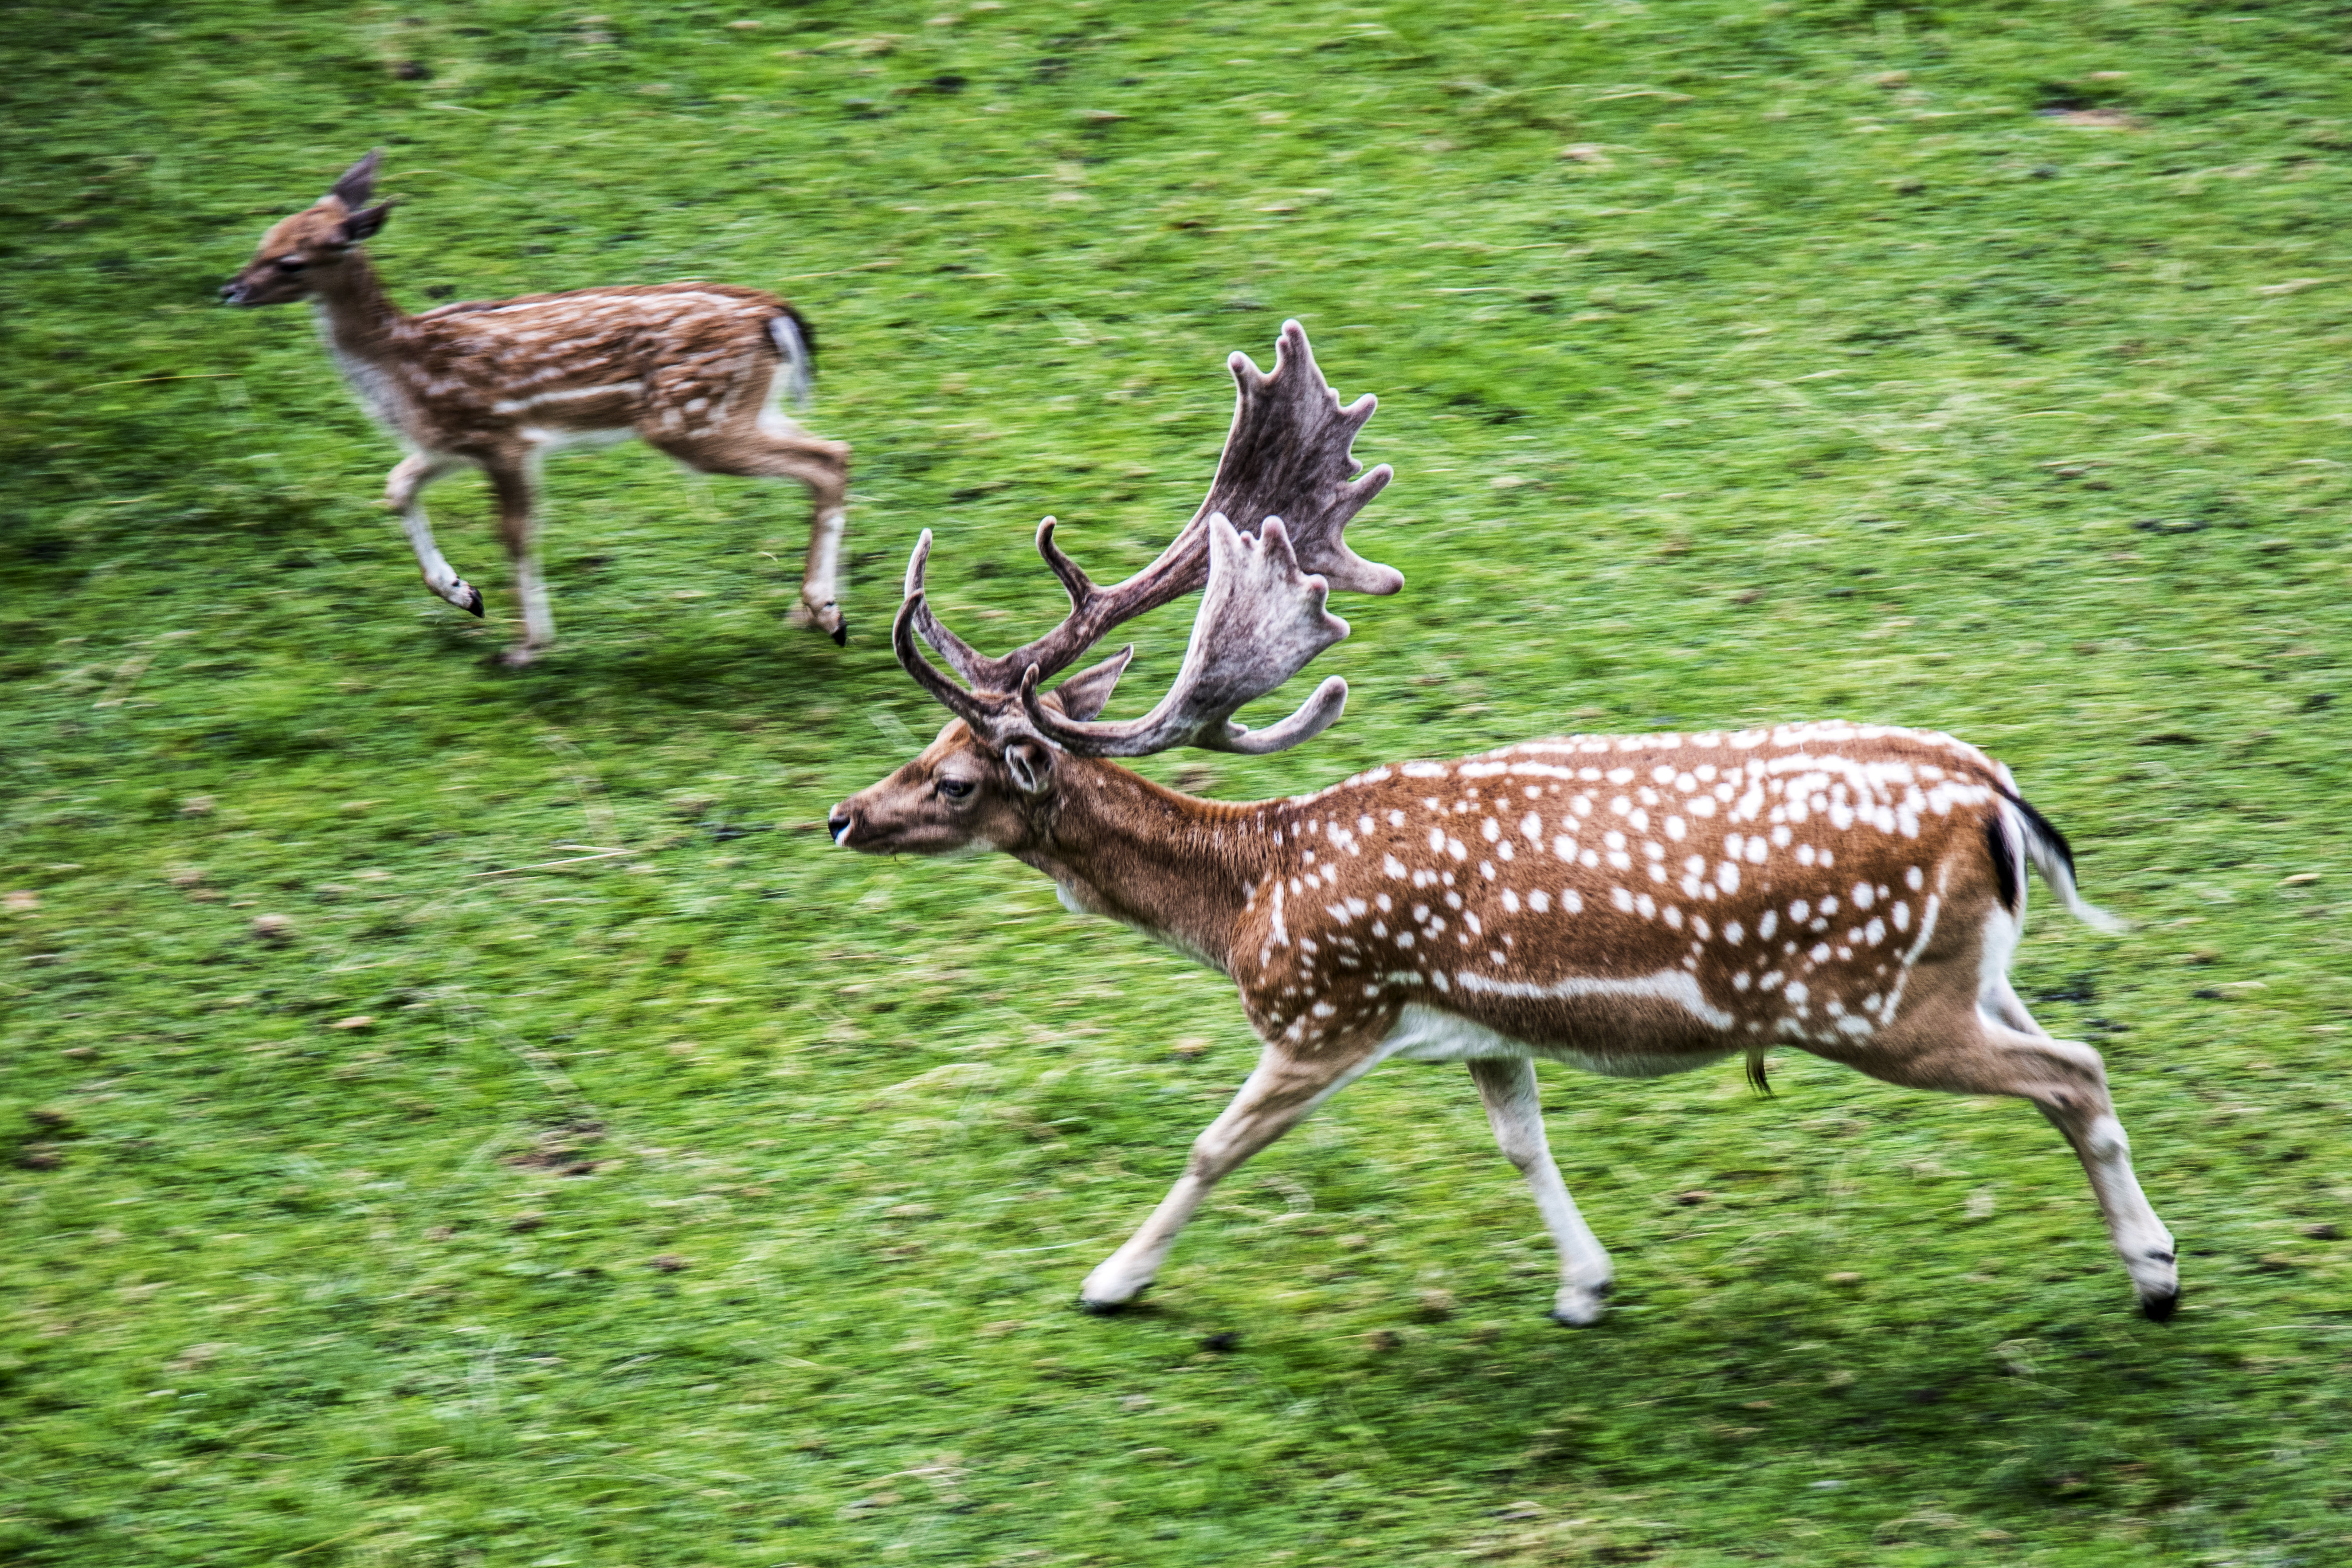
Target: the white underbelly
pixel 1429 1034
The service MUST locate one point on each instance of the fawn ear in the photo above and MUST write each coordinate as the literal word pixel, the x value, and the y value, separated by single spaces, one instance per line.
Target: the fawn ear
pixel 365 222
pixel 358 181
pixel 1031 763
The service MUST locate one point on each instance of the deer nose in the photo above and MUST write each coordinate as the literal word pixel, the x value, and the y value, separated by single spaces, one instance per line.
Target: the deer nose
pixel 229 293
pixel 839 823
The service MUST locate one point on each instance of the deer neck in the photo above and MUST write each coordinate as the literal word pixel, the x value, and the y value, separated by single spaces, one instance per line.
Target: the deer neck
pixel 1175 867
pixel 357 316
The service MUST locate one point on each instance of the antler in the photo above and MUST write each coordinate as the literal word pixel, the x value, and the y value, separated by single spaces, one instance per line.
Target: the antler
pixel 1286 455
pixel 1261 621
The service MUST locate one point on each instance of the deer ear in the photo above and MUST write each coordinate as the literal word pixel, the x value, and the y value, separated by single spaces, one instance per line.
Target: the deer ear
pixel 1083 695
pixel 1031 763
pixel 365 222
pixel 358 181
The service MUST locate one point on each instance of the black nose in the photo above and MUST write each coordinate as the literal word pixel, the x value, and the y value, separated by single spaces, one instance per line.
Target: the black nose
pixel 229 293
pixel 837 824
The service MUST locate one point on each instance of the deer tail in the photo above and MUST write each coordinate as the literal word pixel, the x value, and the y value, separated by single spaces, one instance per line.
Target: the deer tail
pixel 2020 836
pixel 796 342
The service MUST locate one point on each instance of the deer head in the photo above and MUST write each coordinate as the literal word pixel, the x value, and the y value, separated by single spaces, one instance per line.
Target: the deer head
pixel 1265 550
pixel 297 251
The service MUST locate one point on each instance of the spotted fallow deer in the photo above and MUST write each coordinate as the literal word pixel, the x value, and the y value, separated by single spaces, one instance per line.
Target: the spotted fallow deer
pixel 696 369
pixel 1633 904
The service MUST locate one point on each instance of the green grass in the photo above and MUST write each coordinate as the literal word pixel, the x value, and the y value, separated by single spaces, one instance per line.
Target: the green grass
pixel 1825 376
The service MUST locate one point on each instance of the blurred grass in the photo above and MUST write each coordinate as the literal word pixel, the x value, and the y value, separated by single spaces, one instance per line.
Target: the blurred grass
pixel 1970 366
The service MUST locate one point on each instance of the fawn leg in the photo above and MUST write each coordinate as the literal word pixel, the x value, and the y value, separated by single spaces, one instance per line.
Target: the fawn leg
pixel 403 491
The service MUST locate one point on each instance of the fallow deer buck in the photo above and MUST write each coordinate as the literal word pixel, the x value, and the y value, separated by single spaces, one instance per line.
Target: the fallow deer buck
pixel 696 369
pixel 1633 904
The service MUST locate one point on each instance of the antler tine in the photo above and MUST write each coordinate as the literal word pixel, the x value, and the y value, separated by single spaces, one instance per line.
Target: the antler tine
pixel 1286 455
pixel 1074 582
pixel 974 709
pixel 958 654
pixel 1261 621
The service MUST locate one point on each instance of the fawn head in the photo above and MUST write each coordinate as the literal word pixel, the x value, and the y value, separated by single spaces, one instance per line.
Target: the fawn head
pixel 992 778
pixel 296 250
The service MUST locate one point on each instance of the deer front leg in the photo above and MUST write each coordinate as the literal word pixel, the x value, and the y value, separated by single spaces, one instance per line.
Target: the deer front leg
pixel 516 525
pixel 403 491
pixel 1514 1111
pixel 1281 1092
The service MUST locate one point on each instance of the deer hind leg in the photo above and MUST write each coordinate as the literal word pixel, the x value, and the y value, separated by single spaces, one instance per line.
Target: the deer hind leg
pixel 403 491
pixel 772 449
pixel 1998 1048
pixel 518 527
pixel 1508 1085
pixel 1277 1095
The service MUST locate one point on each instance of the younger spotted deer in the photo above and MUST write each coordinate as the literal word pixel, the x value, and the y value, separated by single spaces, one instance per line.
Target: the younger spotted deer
pixel 696 369
pixel 1635 904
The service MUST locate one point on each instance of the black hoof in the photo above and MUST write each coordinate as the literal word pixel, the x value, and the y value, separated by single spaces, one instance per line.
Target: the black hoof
pixel 1101 1308
pixel 474 604
pixel 840 634
pixel 2160 1309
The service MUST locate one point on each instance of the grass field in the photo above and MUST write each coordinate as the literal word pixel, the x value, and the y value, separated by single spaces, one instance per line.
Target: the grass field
pixel 723 1202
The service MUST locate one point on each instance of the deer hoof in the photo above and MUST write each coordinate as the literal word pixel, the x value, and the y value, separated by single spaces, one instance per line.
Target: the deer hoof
pixel 1579 1309
pixel 518 658
pixel 1101 1308
pixel 2160 1309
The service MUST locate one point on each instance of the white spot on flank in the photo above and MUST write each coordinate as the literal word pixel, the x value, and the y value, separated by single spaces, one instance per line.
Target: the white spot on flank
pixel 1621 899
pixel 1912 879
pixel 1768 925
pixel 1571 901
pixel 1539 900
pixel 1735 934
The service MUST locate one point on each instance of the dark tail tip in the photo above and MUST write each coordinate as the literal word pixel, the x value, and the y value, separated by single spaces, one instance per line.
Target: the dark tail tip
pixel 2004 861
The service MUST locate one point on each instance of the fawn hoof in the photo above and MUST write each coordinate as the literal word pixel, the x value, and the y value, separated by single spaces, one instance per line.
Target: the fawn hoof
pixel 2159 1309
pixel 519 658
pixel 1102 1309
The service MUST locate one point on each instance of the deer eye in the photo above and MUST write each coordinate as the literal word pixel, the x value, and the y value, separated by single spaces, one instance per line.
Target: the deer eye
pixel 292 264
pixel 955 789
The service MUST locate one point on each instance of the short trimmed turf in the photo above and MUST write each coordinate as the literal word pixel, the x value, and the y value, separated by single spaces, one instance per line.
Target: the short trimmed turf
pixel 380 1194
